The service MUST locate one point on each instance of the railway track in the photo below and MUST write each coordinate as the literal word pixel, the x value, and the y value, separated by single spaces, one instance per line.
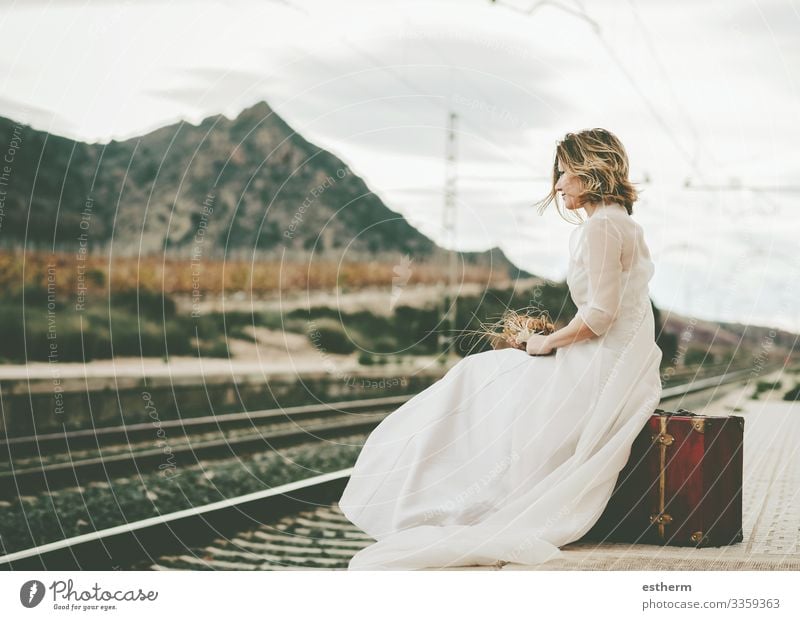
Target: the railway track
pixel 142 543
pixel 53 461
pixel 304 528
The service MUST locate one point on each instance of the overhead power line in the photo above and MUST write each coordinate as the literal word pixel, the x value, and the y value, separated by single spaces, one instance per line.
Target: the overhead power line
pixel 595 27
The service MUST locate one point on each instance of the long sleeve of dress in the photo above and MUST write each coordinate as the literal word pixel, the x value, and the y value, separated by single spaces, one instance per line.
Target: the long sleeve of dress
pixel 603 263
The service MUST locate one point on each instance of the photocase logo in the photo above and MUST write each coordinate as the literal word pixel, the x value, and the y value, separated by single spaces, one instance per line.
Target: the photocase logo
pixel 31 593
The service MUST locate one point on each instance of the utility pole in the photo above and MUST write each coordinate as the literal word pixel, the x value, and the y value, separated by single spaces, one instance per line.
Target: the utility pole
pixel 449 224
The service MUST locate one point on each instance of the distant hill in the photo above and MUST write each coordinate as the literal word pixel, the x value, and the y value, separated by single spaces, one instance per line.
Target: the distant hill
pixel 251 183
pixel 754 345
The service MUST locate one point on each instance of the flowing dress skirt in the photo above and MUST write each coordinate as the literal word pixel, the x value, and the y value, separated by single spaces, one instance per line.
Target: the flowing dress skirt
pixel 507 457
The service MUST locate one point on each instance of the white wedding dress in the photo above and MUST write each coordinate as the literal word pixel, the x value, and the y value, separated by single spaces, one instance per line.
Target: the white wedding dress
pixel 510 456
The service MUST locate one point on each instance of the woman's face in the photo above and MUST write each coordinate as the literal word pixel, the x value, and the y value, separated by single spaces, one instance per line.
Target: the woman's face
pixel 570 187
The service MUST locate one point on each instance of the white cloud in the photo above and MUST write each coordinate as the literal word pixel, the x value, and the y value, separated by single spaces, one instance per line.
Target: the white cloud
pixel 705 90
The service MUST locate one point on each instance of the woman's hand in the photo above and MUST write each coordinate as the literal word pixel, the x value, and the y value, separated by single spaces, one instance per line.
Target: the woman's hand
pixel 512 342
pixel 538 344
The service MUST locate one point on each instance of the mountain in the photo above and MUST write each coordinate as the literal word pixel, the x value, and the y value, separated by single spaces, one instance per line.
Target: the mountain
pixel 753 345
pixel 222 187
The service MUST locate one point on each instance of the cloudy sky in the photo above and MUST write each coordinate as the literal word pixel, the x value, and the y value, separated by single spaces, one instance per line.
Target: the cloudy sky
pixel 703 94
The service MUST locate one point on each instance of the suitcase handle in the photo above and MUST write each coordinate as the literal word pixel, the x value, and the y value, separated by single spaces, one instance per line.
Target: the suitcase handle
pixel 680 411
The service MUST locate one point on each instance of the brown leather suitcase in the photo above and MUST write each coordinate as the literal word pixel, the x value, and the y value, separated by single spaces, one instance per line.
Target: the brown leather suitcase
pixel 682 484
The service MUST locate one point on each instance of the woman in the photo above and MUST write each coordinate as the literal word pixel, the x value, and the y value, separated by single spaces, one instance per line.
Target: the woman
pixel 514 453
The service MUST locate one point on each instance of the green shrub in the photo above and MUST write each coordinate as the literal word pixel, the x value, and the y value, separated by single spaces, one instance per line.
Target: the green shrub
pixel 216 348
pixel 143 303
pixel 329 335
pixel 384 344
pixel 270 320
pixel 242 333
pixel 767 386
pixel 793 394
pixel 698 356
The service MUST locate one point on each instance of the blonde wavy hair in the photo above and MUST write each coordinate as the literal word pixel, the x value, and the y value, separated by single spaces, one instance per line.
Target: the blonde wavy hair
pixel 599 160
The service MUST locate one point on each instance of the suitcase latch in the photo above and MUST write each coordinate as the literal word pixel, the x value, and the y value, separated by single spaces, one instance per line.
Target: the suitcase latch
pixel 699 425
pixel 661 519
pixel 663 438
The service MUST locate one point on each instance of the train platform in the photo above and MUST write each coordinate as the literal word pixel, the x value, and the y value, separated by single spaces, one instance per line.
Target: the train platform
pixel 770 503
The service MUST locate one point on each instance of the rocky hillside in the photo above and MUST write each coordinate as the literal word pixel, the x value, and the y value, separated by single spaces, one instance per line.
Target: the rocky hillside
pixel 220 188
